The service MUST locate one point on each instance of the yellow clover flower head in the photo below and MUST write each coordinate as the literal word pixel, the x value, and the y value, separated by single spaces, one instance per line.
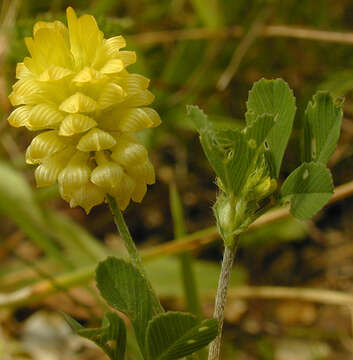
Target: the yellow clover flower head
pixel 75 89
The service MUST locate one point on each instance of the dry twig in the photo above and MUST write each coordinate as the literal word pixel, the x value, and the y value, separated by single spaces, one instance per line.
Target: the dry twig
pixel 167 36
pixel 196 240
pixel 242 48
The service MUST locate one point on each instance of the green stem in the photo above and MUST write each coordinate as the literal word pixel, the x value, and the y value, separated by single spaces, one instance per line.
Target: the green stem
pixel 191 294
pixel 221 299
pixel 125 234
pixel 131 248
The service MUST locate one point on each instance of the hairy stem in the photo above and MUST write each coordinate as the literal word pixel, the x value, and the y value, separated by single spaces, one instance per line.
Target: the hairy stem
pixel 221 299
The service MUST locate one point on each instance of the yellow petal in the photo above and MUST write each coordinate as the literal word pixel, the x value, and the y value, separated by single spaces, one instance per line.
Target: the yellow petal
pixel 72 23
pixel 91 37
pixel 32 50
pixel 153 115
pixel 133 83
pixel 50 48
pixel 26 91
pixel 87 75
pixel 128 153
pixel 123 192
pixel 27 86
pixel 16 99
pixel 85 37
pixel 134 119
pixel 140 98
pixel 96 140
pixel 42 25
pixel 126 137
pixel 87 196
pixel 113 45
pixel 108 176
pixel 31 65
pixel 123 202
pixel 111 94
pixel 78 103
pixel 75 124
pixel 22 71
pixel 19 116
pixel 76 173
pixel 44 116
pixel 127 57
pixel 55 73
pixel 57 26
pixel 47 173
pixel 142 172
pixel 139 192
pixel 45 145
pixel 112 66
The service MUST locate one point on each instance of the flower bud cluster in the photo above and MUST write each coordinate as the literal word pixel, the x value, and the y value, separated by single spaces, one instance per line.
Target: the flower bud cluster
pixel 259 185
pixel 75 89
pixel 235 214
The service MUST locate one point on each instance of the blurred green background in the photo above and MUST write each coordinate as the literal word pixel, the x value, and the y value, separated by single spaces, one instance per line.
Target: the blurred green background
pixel 205 52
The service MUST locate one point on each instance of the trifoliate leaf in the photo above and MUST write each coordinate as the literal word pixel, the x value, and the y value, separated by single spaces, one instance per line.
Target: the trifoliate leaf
pixel 174 335
pixel 322 126
pixel 276 98
pixel 232 153
pixel 111 337
pixel 308 188
pixel 125 289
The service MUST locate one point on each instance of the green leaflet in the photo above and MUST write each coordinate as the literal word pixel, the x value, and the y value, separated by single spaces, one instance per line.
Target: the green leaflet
pixel 160 337
pixel 125 289
pixel 237 156
pixel 174 335
pixel 111 337
pixel 322 126
pixel 308 188
pixel 276 98
pixel 258 130
pixel 232 153
pixel 214 145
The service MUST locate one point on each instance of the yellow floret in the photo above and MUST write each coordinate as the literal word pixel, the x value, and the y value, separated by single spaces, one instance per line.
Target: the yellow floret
pixel 76 90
